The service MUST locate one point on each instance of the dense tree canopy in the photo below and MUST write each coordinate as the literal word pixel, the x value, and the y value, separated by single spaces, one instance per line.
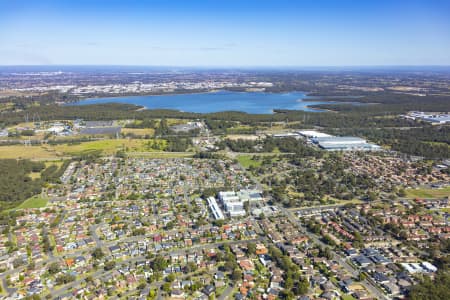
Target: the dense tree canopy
pixel 437 289
pixel 15 183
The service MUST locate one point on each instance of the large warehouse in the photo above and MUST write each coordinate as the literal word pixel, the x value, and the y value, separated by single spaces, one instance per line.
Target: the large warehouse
pixel 311 134
pixel 344 143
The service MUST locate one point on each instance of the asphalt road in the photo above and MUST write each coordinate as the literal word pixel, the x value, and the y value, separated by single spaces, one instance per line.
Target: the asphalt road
pixel 226 294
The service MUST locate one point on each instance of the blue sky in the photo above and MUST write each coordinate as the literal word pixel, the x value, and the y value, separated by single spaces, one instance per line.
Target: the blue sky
pixel 225 33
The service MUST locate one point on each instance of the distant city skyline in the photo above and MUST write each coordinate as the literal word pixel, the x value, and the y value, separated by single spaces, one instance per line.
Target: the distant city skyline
pixel 225 33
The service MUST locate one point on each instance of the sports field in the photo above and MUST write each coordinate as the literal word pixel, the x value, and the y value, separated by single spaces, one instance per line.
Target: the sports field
pixel 33 202
pixel 428 193
pixel 246 161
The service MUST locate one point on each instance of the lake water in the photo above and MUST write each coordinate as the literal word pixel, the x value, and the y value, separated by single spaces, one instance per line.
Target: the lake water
pixel 250 102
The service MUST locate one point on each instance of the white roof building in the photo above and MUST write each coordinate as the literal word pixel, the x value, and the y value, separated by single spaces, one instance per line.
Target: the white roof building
pixel 312 134
pixel 344 143
pixel 233 202
pixel 217 212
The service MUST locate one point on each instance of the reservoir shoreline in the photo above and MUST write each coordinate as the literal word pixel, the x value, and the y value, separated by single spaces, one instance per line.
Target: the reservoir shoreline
pixel 219 100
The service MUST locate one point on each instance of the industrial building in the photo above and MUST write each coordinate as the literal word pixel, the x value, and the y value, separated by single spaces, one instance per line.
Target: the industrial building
pixel 187 127
pixel 57 128
pixel 115 130
pixel 95 124
pixel 431 117
pixel 438 119
pixel 97 127
pixel 331 143
pixel 285 135
pixel 310 134
pixel 344 143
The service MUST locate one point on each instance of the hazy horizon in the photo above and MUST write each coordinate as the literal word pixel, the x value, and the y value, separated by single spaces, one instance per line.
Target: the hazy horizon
pixel 255 67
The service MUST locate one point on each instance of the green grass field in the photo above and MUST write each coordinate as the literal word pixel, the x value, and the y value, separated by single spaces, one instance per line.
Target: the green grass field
pixel 428 193
pixel 106 146
pixel 246 161
pixel 159 154
pixel 31 152
pixel 56 152
pixel 33 202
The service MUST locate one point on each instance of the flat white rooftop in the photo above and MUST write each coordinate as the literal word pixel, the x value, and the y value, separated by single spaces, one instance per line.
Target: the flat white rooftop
pixel 217 212
pixel 340 140
pixel 313 133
